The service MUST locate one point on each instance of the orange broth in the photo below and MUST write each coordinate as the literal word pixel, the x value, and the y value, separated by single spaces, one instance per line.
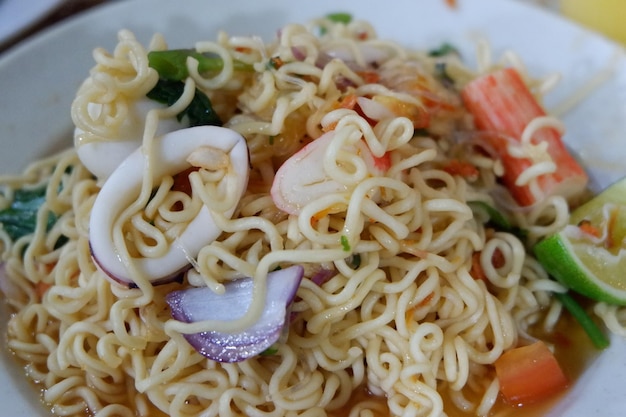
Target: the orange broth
pixel 573 350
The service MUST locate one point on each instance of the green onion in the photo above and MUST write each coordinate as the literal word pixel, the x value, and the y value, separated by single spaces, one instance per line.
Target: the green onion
pixel 172 64
pixel 597 337
pixel 496 219
pixel 345 243
pixel 339 17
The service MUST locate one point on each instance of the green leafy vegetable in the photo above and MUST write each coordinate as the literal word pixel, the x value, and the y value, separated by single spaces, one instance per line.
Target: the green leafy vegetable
pixel 172 64
pixel 199 112
pixel 20 218
pixel 597 337
pixel 338 17
pixel 443 50
pixel 345 244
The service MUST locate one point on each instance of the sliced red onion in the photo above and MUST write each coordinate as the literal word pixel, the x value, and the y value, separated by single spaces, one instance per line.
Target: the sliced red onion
pixel 323 275
pixel 199 304
pixel 298 53
pixel 344 83
pixel 170 154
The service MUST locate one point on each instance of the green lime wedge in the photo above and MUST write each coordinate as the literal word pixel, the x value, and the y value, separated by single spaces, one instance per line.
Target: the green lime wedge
pixel 591 260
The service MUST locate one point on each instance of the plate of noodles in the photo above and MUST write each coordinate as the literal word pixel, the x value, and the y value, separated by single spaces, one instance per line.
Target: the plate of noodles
pixel 269 208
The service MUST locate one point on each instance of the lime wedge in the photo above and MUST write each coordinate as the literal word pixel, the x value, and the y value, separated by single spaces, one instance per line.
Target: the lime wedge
pixel 589 255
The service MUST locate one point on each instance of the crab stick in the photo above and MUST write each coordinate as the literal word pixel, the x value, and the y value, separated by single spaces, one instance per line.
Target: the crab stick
pixel 502 104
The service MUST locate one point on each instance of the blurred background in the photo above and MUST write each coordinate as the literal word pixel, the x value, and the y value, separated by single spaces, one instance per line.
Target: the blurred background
pixel 20 19
pixel 606 16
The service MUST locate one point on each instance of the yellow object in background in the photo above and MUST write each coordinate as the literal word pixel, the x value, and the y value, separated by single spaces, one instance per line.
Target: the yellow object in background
pixel 605 16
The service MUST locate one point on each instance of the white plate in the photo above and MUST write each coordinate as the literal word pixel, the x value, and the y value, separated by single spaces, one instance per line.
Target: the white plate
pixel 18 15
pixel 38 81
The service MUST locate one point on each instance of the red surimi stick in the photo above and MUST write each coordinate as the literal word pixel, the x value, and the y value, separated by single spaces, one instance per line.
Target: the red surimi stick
pixel 503 104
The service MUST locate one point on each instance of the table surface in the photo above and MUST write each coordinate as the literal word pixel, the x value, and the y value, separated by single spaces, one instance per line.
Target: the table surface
pixel 66 9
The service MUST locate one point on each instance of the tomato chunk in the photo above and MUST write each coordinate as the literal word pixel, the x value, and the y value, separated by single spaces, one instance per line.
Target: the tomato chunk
pixel 529 374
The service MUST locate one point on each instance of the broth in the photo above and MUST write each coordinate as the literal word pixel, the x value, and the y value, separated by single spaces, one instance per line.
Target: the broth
pixel 573 350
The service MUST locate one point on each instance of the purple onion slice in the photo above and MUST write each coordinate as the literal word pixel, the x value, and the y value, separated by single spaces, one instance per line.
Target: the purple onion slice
pixel 198 304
